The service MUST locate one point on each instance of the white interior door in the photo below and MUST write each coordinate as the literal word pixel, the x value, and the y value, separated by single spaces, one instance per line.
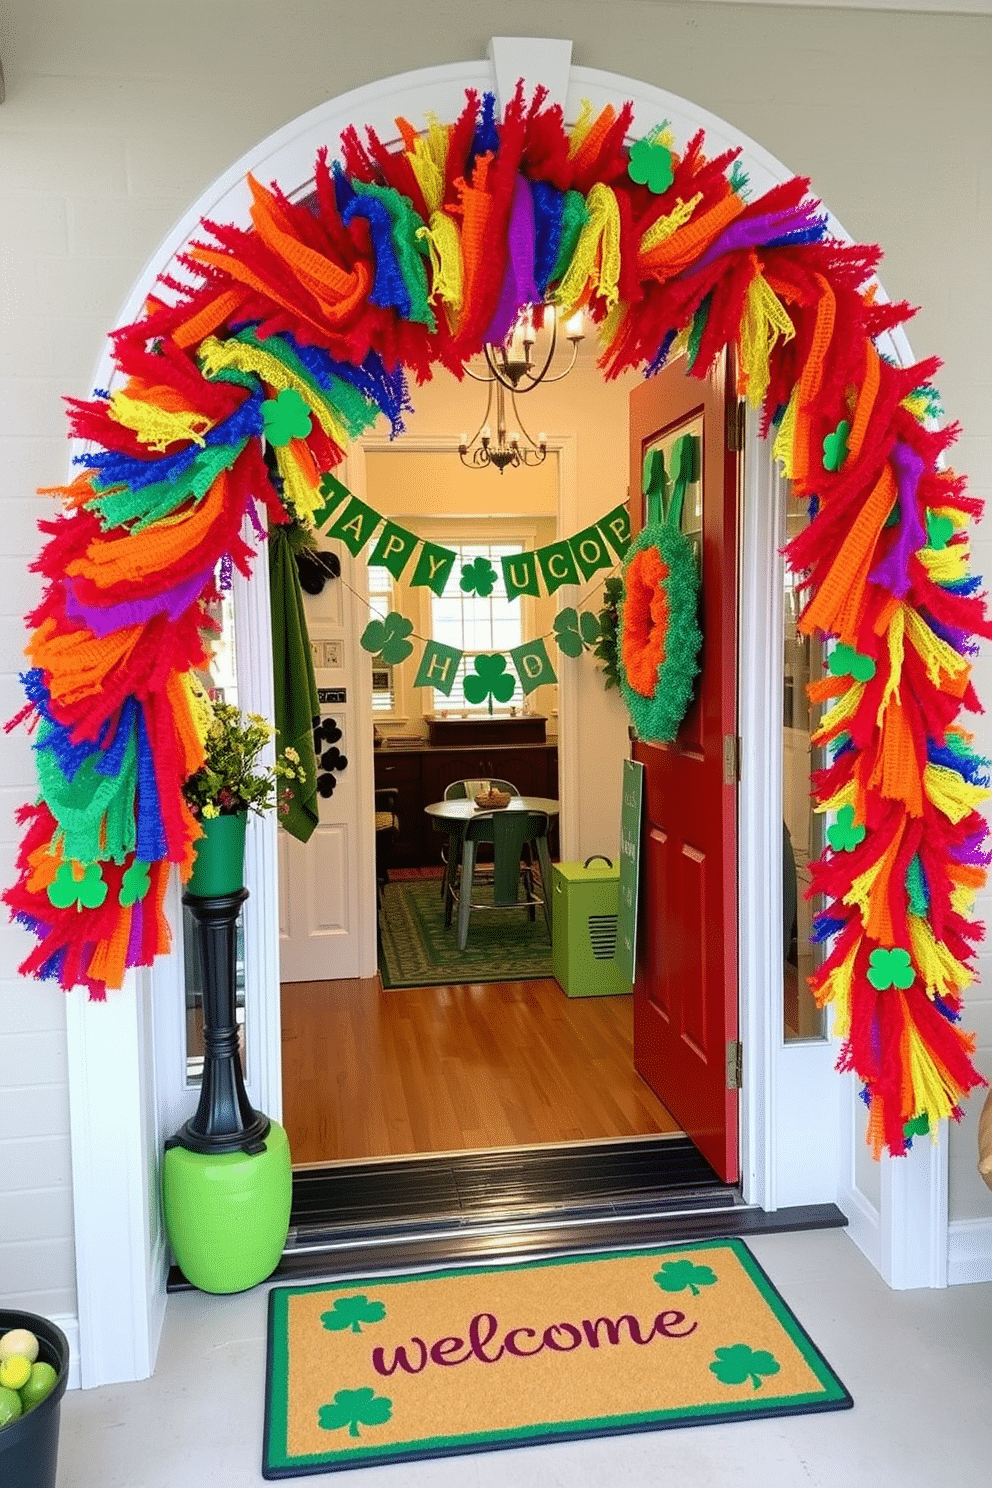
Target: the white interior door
pixel 321 903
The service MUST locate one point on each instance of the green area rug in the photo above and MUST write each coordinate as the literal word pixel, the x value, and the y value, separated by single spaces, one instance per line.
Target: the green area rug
pixel 416 950
pixel 394 1368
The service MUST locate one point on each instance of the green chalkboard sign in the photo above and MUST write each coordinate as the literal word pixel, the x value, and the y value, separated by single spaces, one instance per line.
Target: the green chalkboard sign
pixel 630 866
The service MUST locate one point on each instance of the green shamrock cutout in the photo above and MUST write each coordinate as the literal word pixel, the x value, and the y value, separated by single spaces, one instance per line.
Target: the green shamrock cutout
pixel 478 577
pixel 739 1363
pixel 835 446
pixel 388 638
pixel 846 662
pixel 490 679
pixel 285 417
pixel 890 968
pixel 940 529
pixel 918 1127
pixel 675 1276
pixel 86 892
pixel 574 632
pixel 845 834
pixel 352 1312
pixel 353 1408
pixel 134 885
pixel 650 163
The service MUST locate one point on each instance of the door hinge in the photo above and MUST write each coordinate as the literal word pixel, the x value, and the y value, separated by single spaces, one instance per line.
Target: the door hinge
pixel 731 759
pixel 735 1062
pixel 735 426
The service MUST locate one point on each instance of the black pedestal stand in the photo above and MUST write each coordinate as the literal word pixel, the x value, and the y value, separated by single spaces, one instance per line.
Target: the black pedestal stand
pixel 225 1120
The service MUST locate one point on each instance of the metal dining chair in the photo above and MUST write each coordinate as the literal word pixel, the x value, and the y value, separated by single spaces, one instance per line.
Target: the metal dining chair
pixel 467 790
pixel 508 831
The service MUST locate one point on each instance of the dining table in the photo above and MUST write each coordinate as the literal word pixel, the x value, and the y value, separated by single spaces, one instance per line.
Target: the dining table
pixel 451 816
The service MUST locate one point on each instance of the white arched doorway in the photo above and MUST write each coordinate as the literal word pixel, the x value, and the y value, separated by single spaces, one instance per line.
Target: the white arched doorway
pixel 799 1125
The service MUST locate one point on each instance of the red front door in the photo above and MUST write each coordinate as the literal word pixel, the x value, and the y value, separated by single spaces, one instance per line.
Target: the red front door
pixel 685 993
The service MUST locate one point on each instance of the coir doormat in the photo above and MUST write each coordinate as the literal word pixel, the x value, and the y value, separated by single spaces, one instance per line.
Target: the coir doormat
pixel 417 949
pixel 400 1367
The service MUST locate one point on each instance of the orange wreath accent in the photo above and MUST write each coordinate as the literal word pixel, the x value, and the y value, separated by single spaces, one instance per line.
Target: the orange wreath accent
pixel 645 620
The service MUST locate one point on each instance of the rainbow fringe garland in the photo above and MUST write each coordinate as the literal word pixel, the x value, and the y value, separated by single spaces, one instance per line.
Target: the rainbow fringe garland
pixel 391 266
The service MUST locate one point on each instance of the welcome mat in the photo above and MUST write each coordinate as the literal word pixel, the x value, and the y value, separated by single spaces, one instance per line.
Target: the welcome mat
pixel 417 950
pixel 400 1367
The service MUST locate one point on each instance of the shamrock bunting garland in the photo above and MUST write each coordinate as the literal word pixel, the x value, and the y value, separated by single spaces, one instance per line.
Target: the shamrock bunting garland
pixel 292 336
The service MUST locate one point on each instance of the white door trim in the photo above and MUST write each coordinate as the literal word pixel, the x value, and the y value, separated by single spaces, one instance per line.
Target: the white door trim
pixel 116 1334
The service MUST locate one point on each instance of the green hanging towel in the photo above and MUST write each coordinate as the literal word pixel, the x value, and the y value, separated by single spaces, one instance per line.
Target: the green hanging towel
pixel 296 705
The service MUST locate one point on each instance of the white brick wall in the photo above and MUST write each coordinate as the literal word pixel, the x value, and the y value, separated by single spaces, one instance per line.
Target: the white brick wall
pixel 118 116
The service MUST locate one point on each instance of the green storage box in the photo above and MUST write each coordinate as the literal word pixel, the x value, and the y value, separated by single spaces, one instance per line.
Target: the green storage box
pixel 584 928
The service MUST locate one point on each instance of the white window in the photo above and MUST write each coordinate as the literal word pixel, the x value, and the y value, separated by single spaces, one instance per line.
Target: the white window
pixel 478 625
pixel 381 602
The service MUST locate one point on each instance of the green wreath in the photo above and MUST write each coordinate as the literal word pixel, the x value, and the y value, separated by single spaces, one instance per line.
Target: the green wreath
pixel 659 628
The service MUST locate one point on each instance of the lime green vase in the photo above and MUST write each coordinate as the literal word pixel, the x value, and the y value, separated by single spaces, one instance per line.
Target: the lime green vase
pixel 227 1213
pixel 219 866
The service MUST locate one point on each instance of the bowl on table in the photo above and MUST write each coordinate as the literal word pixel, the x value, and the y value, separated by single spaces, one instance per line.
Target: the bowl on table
pixel 492 800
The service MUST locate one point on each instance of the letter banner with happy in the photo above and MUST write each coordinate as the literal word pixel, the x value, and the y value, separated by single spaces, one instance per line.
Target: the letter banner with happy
pixel 394 549
pixel 438 667
pixel 533 665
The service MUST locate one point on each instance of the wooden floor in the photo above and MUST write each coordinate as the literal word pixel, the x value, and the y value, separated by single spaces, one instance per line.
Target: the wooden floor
pixel 368 1073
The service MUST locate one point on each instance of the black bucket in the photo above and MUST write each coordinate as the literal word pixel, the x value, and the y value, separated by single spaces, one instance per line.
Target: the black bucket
pixel 29 1446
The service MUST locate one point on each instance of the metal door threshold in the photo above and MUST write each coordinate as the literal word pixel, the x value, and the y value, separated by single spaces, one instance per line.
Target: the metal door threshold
pixel 423 1213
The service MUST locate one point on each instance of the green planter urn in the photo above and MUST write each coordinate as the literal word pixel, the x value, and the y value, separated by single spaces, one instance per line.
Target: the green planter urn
pixel 227 1173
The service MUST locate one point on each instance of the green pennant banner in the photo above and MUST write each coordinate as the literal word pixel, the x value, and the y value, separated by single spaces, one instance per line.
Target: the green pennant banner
pixel 520 575
pixel 557 566
pixel 615 527
pixel 433 568
pixel 334 492
pixel 533 665
pixel 590 551
pixel 355 525
pixel 394 548
pixel 438 667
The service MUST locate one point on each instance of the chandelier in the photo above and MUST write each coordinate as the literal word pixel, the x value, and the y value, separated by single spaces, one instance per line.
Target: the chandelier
pixel 522 363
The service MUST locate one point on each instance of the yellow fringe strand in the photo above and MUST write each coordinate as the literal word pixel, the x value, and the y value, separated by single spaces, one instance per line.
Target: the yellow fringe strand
pixel 937 656
pixel 445 244
pixel 765 320
pixel 216 356
pixel 782 448
pixel 429 161
pixel 597 253
pixel 942 973
pixel 836 989
pixel 664 227
pixel 950 794
pixel 155 427
pixel 897 632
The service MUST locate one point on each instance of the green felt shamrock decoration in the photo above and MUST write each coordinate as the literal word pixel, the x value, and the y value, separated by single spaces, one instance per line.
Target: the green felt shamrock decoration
pixel 352 1312
pixel 835 446
pixel 388 638
pixel 846 662
pixel 650 163
pixel 890 968
pixel 574 632
pixel 675 1276
pixel 134 884
pixel 88 891
pixel 354 1408
pixel 285 417
pixel 918 1127
pixel 739 1363
pixel 940 529
pixel 478 577
pixel 844 835
pixel 490 679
